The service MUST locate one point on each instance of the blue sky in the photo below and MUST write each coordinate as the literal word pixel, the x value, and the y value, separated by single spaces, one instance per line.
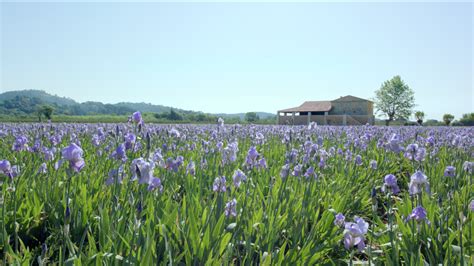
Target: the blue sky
pixel 238 57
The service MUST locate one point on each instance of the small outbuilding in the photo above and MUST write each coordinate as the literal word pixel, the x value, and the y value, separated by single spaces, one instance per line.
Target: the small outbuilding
pixel 347 110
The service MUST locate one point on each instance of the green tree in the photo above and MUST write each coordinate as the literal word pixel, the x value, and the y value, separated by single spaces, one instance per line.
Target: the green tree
pixel 47 111
pixel 44 110
pixel 39 113
pixel 200 117
pixel 395 99
pixel 175 116
pixel 467 119
pixel 448 118
pixel 419 115
pixel 251 117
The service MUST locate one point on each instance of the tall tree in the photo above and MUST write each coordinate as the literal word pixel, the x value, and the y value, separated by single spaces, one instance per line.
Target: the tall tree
pixel 175 116
pixel 47 111
pixel 395 99
pixel 251 117
pixel 448 118
pixel 467 119
pixel 419 115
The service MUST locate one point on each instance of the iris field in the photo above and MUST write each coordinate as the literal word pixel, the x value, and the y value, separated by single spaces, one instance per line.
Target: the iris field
pixel 138 193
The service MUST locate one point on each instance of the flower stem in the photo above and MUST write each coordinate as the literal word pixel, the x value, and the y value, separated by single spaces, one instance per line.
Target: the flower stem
pixel 65 222
pixel 14 216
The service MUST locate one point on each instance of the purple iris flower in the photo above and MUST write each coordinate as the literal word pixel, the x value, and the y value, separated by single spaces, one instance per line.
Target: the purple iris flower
pixel 390 182
pixel 37 146
pixel 175 133
pixel 340 219
pixel 143 170
pixel 348 155
pixel 430 141
pixel 471 206
pixel 48 153
pixel 297 170
pixel 55 139
pixel 15 171
pixel 322 163
pixel 262 163
pixel 420 155
pixel 219 145
pixel 229 153
pixel 179 160
pixel 5 167
pixel 373 164
pixel 219 184
pixel 73 154
pixel 20 144
pixel 450 171
pixel 251 159
pixel 417 181
pixel 155 183
pixel 259 138
pixel 158 158
pixel 43 169
pixel 411 151
pixel 252 153
pixel 310 173
pixel 95 140
pixel 120 153
pixel 220 121
pixel 230 208
pixel 320 140
pixel 238 177
pixel 293 155
pixel 137 118
pixel 358 160
pixel 130 139
pixel 174 164
pixel 394 144
pixel 285 170
pixel 468 166
pixel 419 214
pixel 354 233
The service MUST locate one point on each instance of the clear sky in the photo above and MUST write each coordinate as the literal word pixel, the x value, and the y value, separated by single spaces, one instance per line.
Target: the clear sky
pixel 238 57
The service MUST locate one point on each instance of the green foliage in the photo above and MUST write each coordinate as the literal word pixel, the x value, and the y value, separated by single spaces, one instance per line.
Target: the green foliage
pixel 395 99
pixel 251 117
pixel 448 118
pixel 467 119
pixel 433 122
pixel 28 106
pixel 174 116
pixel 38 94
pixel 419 115
pixel 47 111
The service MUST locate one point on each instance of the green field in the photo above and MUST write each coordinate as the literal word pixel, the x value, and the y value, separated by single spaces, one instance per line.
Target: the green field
pixel 154 195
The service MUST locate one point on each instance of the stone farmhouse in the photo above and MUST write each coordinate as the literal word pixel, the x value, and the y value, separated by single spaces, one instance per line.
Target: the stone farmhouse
pixel 347 110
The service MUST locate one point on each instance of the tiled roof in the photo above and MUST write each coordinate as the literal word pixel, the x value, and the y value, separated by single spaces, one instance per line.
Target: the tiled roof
pixel 321 106
pixel 311 106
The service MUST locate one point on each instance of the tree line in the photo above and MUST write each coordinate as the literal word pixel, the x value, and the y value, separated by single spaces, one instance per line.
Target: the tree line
pixel 27 107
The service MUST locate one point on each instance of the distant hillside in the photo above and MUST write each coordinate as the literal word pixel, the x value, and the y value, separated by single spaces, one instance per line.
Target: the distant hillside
pixel 144 107
pixel 27 102
pixel 42 95
pixel 261 115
